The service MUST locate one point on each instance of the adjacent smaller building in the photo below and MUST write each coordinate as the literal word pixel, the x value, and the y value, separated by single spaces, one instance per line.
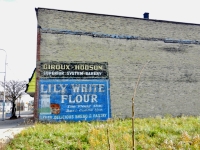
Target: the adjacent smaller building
pixel 30 87
pixel 8 105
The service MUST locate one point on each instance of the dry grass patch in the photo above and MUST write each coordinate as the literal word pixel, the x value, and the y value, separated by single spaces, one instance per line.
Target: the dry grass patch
pixel 150 133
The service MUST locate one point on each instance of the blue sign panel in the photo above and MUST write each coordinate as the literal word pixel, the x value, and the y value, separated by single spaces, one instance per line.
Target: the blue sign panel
pixel 74 100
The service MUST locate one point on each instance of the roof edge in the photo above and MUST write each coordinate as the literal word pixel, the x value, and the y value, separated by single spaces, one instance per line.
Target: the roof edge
pixel 166 21
pixel 27 85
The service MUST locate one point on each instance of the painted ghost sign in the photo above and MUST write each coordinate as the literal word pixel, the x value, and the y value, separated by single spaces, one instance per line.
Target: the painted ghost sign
pixel 74 91
pixel 74 100
pixel 74 70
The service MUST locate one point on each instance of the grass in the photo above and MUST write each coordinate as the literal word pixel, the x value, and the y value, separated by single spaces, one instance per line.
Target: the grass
pixel 168 133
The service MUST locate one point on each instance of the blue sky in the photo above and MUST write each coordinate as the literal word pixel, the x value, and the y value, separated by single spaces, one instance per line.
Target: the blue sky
pixel 18 24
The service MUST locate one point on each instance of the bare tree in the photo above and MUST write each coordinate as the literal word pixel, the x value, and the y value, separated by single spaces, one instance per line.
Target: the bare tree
pixel 14 90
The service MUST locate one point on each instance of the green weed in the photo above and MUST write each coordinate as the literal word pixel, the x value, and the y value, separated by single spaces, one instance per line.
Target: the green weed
pixel 158 133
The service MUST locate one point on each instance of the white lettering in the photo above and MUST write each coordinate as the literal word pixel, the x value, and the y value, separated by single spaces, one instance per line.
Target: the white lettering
pixel 84 88
pixel 79 98
pixel 42 89
pixel 55 89
pixel 94 98
pixel 49 88
pixel 88 87
pixel 101 88
pixel 63 87
pixel 70 99
pixel 93 73
pixel 63 97
pixel 75 87
pixel 99 115
pixel 86 98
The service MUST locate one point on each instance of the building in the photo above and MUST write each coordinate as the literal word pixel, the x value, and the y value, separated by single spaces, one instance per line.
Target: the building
pixel 170 81
pixel 8 105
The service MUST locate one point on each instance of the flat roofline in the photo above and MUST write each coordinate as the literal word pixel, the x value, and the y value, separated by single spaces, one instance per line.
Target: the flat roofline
pixel 166 21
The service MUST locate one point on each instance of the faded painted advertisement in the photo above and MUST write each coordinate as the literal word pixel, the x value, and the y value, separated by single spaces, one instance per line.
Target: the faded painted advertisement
pixel 74 100
pixel 74 70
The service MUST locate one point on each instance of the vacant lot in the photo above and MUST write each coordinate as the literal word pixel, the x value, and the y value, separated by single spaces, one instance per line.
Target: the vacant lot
pixel 150 133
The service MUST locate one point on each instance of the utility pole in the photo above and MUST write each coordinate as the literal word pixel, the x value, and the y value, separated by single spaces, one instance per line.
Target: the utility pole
pixel 3 114
pixel 19 106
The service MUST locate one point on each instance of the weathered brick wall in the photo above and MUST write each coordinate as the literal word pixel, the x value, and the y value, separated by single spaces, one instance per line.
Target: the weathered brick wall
pixel 170 82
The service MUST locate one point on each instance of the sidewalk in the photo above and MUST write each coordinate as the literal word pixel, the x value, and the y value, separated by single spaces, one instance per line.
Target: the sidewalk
pixel 9 128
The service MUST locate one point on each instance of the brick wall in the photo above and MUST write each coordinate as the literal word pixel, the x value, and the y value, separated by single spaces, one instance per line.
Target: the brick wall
pixel 168 85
